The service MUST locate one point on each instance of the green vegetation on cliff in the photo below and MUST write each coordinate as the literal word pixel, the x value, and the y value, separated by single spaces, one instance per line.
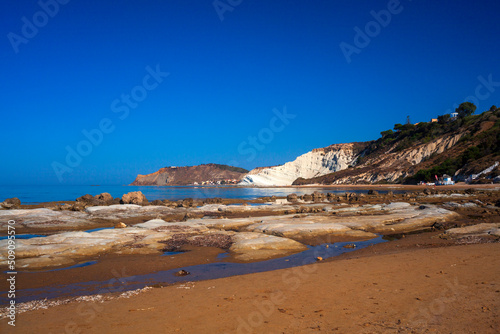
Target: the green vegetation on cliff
pixel 231 168
pixel 483 140
pixel 458 146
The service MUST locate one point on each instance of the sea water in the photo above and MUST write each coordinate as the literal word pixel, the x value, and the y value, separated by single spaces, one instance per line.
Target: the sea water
pixel 40 194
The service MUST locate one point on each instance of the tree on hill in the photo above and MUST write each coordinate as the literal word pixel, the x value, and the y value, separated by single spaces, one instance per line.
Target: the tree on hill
pixel 398 127
pixel 465 109
pixel 386 133
pixel 443 119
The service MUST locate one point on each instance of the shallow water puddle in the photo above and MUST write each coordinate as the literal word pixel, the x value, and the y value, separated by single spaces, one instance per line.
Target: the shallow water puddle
pixel 99 229
pixel 222 256
pixel 197 273
pixel 172 253
pixel 79 265
pixel 24 236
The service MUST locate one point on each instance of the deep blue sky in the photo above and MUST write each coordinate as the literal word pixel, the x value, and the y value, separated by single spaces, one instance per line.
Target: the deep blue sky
pixel 226 77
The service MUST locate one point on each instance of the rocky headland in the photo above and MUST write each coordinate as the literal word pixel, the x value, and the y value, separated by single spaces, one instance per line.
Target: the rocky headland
pixel 189 175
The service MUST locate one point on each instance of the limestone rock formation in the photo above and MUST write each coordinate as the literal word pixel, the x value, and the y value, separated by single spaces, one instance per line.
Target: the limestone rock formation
pixel 318 162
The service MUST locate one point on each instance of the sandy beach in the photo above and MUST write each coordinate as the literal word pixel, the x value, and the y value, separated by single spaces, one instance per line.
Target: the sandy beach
pixel 424 289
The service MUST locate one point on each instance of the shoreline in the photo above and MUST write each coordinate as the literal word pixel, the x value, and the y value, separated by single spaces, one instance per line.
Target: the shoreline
pixel 359 187
pixel 457 291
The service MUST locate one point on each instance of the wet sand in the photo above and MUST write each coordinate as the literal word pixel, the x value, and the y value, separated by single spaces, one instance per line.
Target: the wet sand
pixel 441 289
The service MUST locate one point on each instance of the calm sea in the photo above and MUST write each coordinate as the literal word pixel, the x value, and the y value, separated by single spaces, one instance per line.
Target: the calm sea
pixel 39 194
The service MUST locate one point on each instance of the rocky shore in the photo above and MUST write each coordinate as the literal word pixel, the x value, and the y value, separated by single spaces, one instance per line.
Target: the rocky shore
pixel 93 226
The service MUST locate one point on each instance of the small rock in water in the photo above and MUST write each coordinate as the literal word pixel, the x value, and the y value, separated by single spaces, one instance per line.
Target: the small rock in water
pixel 350 246
pixel 182 273
pixel 11 203
pixel 120 225
pixel 319 258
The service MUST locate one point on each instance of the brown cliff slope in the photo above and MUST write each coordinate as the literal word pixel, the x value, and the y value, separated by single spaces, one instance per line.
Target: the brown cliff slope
pixel 458 147
pixel 170 176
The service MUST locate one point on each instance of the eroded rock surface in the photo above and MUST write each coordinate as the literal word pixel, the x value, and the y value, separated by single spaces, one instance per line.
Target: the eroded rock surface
pixel 248 239
pixel 479 229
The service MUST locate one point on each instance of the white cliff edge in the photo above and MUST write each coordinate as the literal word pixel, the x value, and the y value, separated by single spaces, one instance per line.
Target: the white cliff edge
pixel 311 164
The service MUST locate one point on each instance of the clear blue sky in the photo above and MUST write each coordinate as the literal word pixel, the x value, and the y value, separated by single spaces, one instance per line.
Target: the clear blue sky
pixel 225 78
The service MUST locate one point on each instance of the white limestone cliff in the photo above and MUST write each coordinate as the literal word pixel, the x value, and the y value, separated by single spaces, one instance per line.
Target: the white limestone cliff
pixel 311 164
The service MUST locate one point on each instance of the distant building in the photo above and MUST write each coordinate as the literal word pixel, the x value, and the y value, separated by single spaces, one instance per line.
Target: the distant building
pixel 445 180
pixel 434 120
pixel 454 115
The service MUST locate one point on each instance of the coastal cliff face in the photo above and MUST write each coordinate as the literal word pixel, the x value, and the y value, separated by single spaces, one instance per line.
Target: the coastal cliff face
pixel 389 166
pixel 339 164
pixel 202 174
pixel 311 164
pixel 460 148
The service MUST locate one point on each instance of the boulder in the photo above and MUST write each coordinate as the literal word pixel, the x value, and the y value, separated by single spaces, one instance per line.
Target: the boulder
pixel 85 198
pixel 214 200
pixel 292 198
pixel 182 273
pixel 372 192
pixel 307 197
pixel 105 197
pixel 89 200
pixel 78 206
pixel 135 197
pixel 11 203
pixel 188 202
pixel 317 196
